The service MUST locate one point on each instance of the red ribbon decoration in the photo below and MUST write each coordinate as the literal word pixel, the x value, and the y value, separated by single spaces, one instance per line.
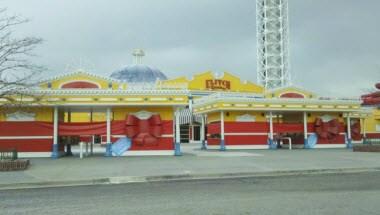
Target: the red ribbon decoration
pixel 355 131
pixel 327 130
pixel 372 98
pixel 144 132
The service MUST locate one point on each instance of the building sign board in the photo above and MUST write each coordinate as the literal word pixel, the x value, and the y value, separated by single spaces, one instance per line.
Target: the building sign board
pixel 217 84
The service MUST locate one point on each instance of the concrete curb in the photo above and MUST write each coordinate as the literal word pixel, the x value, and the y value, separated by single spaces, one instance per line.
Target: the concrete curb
pixel 179 177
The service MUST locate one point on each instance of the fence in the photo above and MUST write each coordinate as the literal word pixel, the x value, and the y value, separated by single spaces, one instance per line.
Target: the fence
pixel 371 141
pixel 10 154
pixel 9 160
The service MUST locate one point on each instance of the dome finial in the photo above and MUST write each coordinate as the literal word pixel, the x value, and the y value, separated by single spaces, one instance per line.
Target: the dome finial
pixel 138 54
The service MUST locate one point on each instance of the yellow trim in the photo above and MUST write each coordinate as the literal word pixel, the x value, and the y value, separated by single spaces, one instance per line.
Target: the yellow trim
pixel 278 93
pixel 81 76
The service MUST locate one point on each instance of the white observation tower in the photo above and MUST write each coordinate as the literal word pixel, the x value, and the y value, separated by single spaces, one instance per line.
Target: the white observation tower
pixel 272 43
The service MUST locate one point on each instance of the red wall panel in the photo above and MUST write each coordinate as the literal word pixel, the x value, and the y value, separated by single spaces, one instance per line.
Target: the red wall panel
pixel 167 126
pixel 213 128
pixel 373 135
pixel 246 140
pixel 338 140
pixel 82 128
pixel 164 143
pixel 263 127
pixel 80 85
pixel 213 141
pixel 246 127
pixel 100 128
pixel 26 129
pixel 34 145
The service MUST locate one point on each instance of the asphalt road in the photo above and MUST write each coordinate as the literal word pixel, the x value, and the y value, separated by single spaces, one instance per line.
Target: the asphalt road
pixel 314 194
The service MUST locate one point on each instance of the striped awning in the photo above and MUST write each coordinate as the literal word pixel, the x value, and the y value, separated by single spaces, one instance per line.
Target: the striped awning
pixel 197 118
pixel 186 116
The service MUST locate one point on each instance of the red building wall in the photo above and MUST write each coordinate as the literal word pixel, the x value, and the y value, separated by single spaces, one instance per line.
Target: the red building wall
pixel 28 136
pixel 256 133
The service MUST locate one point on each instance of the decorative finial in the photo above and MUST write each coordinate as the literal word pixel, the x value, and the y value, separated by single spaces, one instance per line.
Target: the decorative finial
pixel 138 54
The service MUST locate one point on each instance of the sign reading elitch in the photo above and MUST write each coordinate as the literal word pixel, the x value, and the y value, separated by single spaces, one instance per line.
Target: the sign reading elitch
pixel 217 84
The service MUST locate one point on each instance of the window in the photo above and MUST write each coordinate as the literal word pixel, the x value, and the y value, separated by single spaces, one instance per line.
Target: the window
pixel 378 127
pixel 20 116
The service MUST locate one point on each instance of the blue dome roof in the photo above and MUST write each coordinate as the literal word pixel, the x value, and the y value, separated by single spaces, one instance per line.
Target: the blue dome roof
pixel 138 73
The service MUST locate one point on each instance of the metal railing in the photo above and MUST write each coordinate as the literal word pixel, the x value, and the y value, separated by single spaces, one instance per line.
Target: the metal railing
pixel 9 154
pixel 371 141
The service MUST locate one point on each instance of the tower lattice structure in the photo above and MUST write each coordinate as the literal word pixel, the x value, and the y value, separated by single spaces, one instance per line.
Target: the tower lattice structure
pixel 272 43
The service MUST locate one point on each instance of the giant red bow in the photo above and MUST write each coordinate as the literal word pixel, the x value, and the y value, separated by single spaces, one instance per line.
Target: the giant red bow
pixel 356 131
pixel 327 130
pixel 144 132
pixel 372 98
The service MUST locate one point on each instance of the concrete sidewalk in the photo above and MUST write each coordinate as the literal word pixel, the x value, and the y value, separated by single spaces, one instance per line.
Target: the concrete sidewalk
pixel 194 162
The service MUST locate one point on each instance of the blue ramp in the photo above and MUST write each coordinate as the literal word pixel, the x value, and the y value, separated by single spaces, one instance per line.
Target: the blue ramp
pixel 311 141
pixel 120 146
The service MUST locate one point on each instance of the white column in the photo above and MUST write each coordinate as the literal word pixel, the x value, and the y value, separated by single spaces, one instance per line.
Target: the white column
pixel 55 124
pixel 191 103
pixel 222 125
pixel 108 144
pixel 203 135
pixel 55 153
pixel 222 140
pixel 305 127
pixel 177 144
pixel 80 149
pixel 349 138
pixel 271 125
pixel 174 125
pixel 108 125
pixel 272 145
pixel 203 128
pixel 348 128
pixel 364 128
pixel 177 128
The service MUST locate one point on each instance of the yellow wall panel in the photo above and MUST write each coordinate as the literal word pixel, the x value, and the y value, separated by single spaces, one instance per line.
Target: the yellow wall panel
pixel 173 82
pixel 234 114
pixel 198 82
pixel 212 117
pixel 2 116
pixel 80 76
pixel 231 116
pixel 44 114
pixel 278 93
pixel 372 121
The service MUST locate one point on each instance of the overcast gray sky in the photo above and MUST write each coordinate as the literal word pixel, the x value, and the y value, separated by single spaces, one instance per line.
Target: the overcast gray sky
pixel 334 47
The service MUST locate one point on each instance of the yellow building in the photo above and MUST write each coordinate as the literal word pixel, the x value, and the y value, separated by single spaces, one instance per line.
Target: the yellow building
pixel 219 111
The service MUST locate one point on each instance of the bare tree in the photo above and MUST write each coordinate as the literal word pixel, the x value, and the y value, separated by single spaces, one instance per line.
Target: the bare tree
pixel 17 73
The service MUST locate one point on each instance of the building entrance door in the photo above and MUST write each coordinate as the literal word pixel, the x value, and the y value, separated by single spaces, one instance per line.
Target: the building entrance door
pixel 196 133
